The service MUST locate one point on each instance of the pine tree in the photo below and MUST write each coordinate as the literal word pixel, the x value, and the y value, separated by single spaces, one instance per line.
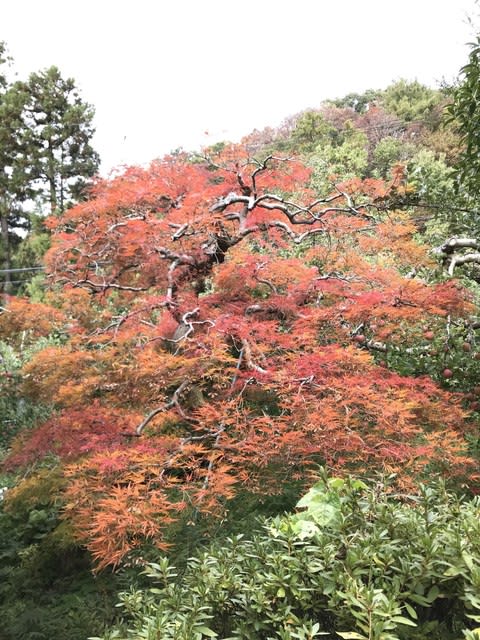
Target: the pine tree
pixel 45 151
pixel 57 133
pixel 14 179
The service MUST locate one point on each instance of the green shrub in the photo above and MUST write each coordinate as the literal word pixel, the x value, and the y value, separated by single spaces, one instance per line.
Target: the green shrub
pixel 16 412
pixel 47 589
pixel 356 563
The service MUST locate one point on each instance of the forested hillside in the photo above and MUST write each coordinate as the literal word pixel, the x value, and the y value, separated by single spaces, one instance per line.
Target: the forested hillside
pixel 219 332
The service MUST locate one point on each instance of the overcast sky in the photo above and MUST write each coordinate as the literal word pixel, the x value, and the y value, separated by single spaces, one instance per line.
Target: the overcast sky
pixel 163 73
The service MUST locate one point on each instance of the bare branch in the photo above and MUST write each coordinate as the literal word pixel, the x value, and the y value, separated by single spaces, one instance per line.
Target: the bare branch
pixel 237 369
pixel 229 199
pixel 374 345
pixel 97 286
pixel 337 276
pixel 269 284
pixel 186 327
pixel 247 356
pixel 183 258
pixel 125 222
pixel 275 203
pixel 262 166
pixel 171 283
pixel 458 260
pixel 181 230
pixel 174 402
pixel 451 246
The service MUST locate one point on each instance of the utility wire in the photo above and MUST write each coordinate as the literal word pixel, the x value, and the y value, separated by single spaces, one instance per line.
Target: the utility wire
pixel 17 281
pixel 6 271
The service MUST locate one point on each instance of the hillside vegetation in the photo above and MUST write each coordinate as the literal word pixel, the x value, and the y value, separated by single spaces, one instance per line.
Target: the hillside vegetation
pixel 218 332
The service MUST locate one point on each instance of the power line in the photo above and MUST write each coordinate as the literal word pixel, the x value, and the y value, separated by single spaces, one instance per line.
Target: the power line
pixel 6 271
pixel 16 282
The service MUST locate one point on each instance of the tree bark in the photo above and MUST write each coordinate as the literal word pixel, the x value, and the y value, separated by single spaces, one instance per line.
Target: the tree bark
pixel 5 239
pixel 51 180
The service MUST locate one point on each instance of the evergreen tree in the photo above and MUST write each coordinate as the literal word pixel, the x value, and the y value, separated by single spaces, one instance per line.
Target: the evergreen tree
pixel 57 133
pixel 412 101
pixel 45 151
pixel 464 112
pixel 14 178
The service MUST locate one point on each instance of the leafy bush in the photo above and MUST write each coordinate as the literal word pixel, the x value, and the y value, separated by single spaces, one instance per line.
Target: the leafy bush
pixel 47 589
pixel 16 411
pixel 70 608
pixel 358 563
pixel 388 152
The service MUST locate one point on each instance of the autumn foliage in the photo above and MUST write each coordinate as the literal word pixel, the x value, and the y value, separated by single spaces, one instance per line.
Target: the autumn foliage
pixel 224 329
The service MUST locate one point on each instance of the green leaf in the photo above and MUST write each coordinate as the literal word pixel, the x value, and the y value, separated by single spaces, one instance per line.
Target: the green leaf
pixel 358 484
pixel 315 494
pixel 206 632
pixel 403 620
pixel 467 558
pixel 433 594
pixel 451 572
pixel 419 599
pixel 336 483
pixel 351 635
pixel 305 528
pixel 411 611
pixel 323 513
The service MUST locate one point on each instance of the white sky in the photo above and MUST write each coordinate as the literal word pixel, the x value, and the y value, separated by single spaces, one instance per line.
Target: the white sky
pixel 161 73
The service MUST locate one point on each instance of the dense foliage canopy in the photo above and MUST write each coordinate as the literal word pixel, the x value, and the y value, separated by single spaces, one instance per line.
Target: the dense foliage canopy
pixel 217 328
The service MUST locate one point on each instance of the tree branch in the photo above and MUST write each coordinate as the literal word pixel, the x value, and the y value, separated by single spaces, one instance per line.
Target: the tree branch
pixel 458 260
pixel 174 402
pixel 247 356
pixel 451 246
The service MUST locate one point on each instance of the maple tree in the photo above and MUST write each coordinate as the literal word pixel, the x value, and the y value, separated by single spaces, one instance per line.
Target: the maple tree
pixel 222 328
